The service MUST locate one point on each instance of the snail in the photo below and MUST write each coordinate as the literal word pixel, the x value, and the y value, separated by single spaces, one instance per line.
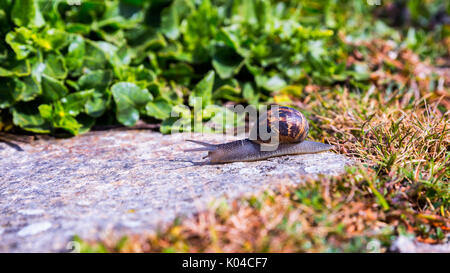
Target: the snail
pixel 286 125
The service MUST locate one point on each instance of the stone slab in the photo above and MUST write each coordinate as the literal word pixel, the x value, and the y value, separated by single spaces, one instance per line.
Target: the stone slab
pixel 129 181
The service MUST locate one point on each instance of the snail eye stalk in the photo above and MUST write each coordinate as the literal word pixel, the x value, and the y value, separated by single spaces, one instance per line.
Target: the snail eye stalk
pixel 206 146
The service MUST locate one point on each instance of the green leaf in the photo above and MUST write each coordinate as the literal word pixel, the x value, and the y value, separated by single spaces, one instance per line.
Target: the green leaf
pixel 75 54
pixel 118 58
pixel 27 13
pixel 55 39
pixel 29 118
pixel 200 29
pixel 12 68
pixel 182 72
pixel 97 104
pixel 13 90
pixel 228 92
pixel 6 97
pixel 211 111
pixel 74 103
pixel 69 124
pixel 130 99
pixel 203 91
pixel 64 121
pixel 171 19
pixel 175 124
pixel 159 109
pixel 121 14
pixel 52 89
pixel 86 123
pixel 21 42
pixel 26 89
pixel 4 19
pixel 46 111
pixel 226 61
pixel 97 79
pixel 58 117
pixel 94 58
pixel 169 22
pixel 273 83
pixel 222 118
pixel 316 49
pixel 55 66
pixel 227 36
pixel 249 93
pixel 143 38
pixel 78 28
pixel 138 74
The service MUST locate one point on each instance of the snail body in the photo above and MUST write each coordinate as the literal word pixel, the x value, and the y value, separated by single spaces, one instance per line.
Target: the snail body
pixel 290 134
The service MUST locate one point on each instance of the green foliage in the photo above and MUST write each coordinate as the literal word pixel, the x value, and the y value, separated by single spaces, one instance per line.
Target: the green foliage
pixel 130 100
pixel 133 59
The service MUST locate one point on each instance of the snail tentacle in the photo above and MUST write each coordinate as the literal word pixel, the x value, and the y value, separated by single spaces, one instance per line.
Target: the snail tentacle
pixel 206 146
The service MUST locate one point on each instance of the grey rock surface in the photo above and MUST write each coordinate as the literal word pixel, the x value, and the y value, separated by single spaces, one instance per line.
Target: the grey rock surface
pixel 404 244
pixel 125 182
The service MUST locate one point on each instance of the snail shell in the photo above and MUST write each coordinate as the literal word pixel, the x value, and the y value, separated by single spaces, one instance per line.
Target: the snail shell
pixel 288 124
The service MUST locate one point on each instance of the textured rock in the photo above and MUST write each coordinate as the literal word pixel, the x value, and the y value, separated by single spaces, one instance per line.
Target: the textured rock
pixel 124 182
pixel 34 229
pixel 404 244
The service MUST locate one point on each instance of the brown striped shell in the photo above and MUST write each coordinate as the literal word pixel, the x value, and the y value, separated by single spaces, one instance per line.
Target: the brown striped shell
pixel 293 126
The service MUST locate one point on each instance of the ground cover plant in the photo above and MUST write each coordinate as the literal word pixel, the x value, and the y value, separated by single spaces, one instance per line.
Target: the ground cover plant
pixel 372 79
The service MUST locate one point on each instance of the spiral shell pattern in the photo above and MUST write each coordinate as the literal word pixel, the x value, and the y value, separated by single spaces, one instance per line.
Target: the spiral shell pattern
pixel 292 126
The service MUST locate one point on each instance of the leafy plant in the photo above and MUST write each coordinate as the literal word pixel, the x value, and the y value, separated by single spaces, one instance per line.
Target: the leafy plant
pixel 130 59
